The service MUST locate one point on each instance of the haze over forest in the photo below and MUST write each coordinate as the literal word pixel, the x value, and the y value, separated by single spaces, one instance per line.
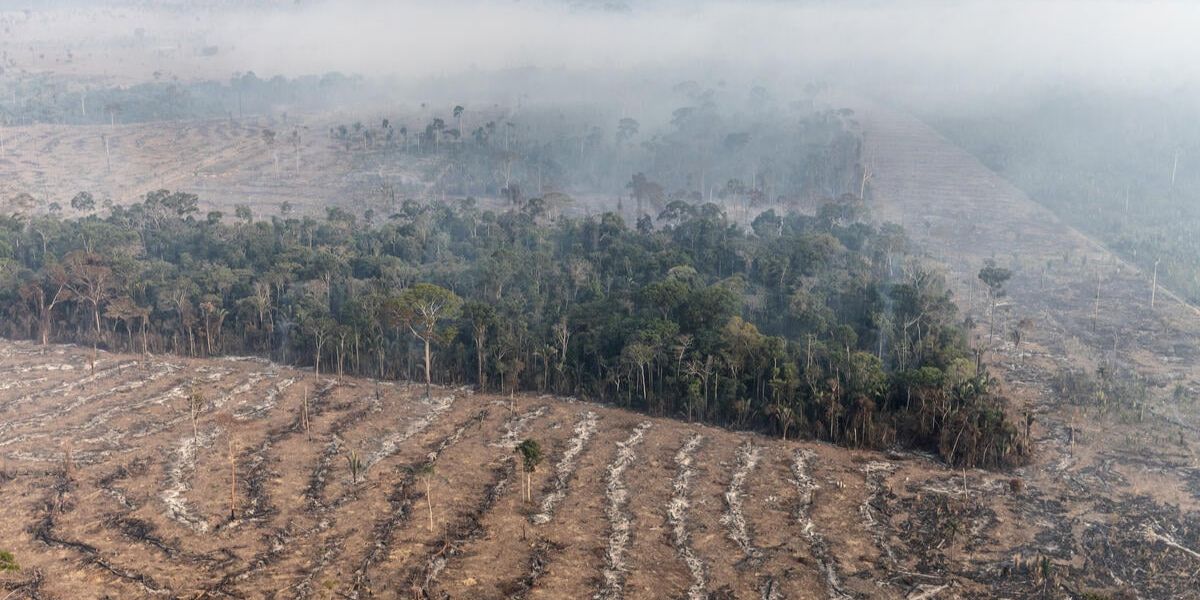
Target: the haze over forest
pixel 600 299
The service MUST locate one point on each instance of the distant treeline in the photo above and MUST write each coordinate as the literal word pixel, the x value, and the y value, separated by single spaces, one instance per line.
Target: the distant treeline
pixel 741 150
pixel 739 154
pixel 820 326
pixel 30 99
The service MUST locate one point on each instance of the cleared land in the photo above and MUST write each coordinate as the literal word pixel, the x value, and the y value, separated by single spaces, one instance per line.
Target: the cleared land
pixel 111 491
pixel 225 161
pixel 1112 498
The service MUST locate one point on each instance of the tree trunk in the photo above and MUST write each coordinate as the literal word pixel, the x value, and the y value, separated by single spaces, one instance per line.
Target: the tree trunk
pixel 232 480
pixel 479 360
pixel 428 373
pixel 96 315
pixel 429 502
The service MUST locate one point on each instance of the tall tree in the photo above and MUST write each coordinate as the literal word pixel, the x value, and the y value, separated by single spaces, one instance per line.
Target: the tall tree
pixel 994 277
pixel 46 291
pixel 480 318
pixel 421 308
pixel 91 278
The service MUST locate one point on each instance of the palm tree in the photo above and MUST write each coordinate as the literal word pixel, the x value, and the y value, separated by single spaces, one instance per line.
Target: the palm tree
pixel 784 417
pixel 458 113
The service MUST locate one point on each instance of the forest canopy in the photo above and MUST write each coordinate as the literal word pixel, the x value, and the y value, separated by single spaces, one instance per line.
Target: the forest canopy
pixel 816 325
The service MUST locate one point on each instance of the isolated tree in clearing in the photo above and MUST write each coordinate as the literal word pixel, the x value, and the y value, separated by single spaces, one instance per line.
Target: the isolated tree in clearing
pixel 994 277
pixel 426 472
pixel 232 477
pixel 196 403
pixel 531 456
pixel 356 464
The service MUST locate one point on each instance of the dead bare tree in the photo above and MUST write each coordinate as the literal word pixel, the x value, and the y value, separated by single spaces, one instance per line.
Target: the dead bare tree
pixel 232 477
pixel 304 414
pixel 195 402
pixel 426 472
pixel 1154 280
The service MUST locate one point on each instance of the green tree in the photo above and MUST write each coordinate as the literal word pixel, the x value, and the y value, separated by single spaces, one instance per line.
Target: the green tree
pixel 480 318
pixel 91 278
pixel 994 277
pixel 421 308
pixel 83 202
pixel 531 457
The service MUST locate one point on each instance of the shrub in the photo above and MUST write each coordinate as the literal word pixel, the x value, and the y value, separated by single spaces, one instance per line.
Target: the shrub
pixel 8 563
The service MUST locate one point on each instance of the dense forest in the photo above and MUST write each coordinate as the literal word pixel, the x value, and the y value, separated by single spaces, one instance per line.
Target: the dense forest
pixel 1121 167
pixel 747 288
pixel 818 325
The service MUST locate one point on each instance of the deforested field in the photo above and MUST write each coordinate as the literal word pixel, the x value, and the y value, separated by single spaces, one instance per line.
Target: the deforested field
pixel 227 162
pixel 112 492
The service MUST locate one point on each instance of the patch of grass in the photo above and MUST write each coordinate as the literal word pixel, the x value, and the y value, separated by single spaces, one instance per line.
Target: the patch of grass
pixel 8 562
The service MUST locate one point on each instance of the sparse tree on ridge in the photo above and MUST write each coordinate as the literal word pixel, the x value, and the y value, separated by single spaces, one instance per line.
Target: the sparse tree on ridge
pixel 83 202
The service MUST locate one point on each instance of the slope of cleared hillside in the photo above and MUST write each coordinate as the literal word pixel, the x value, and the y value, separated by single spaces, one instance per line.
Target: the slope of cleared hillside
pixel 225 162
pixel 111 492
pixel 1113 497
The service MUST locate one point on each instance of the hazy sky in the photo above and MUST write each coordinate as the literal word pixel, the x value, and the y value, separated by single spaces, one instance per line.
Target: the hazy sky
pixel 922 48
pixel 971 45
